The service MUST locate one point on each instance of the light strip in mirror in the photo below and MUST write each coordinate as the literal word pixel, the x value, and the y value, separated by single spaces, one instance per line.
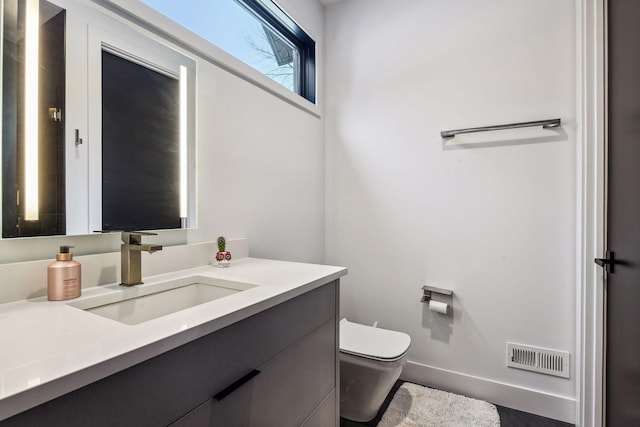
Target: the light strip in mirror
pixel 31 131
pixel 183 141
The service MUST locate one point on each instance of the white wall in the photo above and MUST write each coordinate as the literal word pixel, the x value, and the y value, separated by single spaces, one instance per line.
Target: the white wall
pixel 261 171
pixel 492 216
pixel 261 160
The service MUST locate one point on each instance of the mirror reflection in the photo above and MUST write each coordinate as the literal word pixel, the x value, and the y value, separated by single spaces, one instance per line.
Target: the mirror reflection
pixel 33 90
pixel 114 150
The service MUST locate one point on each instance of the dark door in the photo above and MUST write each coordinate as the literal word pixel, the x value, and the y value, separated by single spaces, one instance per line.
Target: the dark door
pixel 623 217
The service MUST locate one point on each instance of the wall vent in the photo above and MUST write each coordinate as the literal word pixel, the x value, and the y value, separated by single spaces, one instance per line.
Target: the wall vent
pixel 538 359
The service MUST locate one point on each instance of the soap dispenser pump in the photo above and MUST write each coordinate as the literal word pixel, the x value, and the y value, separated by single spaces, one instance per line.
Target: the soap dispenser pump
pixel 64 279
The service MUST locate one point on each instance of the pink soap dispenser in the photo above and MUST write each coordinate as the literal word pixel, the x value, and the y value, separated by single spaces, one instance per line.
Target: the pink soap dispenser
pixel 64 279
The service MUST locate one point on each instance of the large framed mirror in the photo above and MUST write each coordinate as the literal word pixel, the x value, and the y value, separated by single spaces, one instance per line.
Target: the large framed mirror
pixel 115 134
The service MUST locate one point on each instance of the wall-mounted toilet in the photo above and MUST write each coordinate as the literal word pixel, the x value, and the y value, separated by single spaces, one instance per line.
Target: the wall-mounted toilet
pixel 371 360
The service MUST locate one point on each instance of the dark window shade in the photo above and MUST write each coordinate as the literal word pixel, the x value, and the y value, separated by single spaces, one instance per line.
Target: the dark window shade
pixel 140 147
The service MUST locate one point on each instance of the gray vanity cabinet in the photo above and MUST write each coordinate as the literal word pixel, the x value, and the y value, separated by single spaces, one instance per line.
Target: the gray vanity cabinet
pixel 214 380
pixel 287 390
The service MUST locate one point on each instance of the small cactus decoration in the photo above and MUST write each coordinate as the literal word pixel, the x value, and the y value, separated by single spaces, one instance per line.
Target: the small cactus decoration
pixel 223 257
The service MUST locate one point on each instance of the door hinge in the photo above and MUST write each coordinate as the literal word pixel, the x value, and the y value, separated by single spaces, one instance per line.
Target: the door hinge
pixel 607 263
pixel 55 114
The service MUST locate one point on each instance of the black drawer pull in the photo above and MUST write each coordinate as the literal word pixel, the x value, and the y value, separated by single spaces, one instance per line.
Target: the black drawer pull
pixel 236 385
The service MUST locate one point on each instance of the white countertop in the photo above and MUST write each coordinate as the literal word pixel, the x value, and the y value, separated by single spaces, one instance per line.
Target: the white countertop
pixel 50 348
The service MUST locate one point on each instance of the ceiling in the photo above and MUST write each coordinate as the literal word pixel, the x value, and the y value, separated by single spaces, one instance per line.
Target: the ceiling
pixel 328 2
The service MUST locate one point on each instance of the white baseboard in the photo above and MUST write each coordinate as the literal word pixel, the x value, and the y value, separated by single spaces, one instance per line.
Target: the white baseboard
pixel 533 401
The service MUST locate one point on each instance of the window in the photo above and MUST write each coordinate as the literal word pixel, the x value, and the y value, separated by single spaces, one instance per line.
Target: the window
pixel 257 32
pixel 141 104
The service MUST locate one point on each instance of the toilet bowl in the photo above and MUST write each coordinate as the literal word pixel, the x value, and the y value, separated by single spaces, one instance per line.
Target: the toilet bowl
pixel 371 360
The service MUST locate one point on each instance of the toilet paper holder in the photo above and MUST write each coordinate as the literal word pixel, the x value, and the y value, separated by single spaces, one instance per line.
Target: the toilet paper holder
pixel 428 290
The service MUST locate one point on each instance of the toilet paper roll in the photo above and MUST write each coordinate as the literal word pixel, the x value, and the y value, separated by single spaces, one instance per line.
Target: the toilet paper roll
pixel 438 307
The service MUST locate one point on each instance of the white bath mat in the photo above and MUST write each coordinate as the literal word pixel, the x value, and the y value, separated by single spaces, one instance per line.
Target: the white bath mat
pixel 417 406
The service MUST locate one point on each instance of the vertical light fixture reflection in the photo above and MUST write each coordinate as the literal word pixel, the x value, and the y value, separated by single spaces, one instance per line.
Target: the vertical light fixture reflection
pixel 183 141
pixel 32 27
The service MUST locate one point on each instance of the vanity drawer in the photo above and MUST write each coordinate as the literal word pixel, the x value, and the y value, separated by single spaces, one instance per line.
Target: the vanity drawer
pixel 287 389
pixel 326 413
pixel 161 390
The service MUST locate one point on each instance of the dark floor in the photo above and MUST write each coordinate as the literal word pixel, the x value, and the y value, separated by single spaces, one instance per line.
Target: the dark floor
pixel 508 417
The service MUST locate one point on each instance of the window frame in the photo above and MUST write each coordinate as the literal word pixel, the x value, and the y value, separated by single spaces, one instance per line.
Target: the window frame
pixel 271 14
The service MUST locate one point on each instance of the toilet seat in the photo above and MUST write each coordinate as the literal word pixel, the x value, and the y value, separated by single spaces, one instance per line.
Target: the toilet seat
pixel 372 343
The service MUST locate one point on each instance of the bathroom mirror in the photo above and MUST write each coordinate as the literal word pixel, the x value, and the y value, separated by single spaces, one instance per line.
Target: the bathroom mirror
pixel 18 113
pixel 105 137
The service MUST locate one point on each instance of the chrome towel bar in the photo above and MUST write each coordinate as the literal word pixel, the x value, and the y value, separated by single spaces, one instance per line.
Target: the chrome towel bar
pixel 546 124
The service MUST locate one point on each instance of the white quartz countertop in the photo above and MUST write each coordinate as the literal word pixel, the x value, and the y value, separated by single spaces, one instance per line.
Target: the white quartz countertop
pixel 50 348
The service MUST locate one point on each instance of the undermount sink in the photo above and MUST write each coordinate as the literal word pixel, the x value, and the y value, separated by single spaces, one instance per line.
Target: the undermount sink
pixel 146 302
